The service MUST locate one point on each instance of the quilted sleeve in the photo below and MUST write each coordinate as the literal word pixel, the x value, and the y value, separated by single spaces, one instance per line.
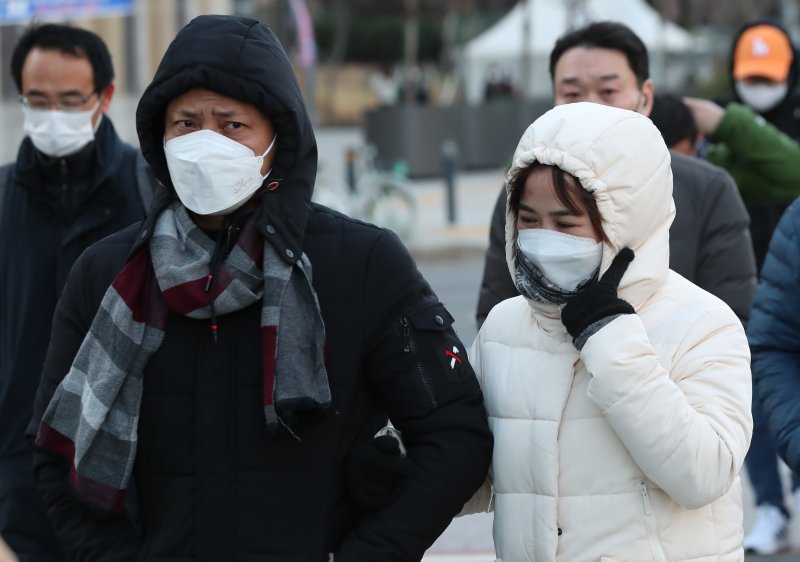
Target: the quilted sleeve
pixel 689 428
pixel 774 335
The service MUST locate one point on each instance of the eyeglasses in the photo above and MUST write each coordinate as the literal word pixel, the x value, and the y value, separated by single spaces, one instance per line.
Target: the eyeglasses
pixel 69 102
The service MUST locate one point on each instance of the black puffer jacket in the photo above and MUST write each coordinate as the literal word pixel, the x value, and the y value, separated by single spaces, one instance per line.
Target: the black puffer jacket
pixel 52 210
pixel 210 483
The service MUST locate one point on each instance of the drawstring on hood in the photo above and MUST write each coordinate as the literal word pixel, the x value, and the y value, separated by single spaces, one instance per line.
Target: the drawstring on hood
pixel 225 239
pixel 211 283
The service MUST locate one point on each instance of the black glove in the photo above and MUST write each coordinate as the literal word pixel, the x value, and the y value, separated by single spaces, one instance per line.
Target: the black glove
pixel 377 473
pixel 598 301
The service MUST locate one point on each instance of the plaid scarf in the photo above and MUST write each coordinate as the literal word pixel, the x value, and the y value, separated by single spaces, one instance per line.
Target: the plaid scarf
pixel 532 283
pixel 93 417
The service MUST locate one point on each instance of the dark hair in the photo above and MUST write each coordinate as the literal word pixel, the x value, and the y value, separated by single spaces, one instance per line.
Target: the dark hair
pixel 567 188
pixel 605 35
pixel 673 119
pixel 68 40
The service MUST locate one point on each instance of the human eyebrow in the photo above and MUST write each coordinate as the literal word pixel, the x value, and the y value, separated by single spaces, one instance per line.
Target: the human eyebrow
pixel 563 213
pixel 183 112
pixel 225 113
pixel 71 93
pixel 524 207
pixel 570 81
pixel 608 77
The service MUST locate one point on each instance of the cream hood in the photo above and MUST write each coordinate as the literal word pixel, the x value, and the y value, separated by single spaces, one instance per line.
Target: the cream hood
pixel 620 157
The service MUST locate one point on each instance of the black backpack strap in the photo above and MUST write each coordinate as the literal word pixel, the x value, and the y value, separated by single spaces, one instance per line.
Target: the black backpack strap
pixel 145 182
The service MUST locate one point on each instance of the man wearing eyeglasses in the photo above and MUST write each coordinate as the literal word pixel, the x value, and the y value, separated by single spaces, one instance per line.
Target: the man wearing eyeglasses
pixel 73 182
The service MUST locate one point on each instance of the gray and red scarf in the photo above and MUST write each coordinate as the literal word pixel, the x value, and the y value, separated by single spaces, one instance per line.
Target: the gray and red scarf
pixel 93 417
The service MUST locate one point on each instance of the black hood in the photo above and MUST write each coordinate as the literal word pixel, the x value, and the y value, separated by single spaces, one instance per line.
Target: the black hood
pixel 242 59
pixel 793 69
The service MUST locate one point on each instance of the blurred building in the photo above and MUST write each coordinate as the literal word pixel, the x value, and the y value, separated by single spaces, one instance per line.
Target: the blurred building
pixel 137 32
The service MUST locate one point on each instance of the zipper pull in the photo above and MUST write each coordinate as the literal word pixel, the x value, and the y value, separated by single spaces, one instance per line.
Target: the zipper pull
pixel 406 336
pixel 648 507
pixel 491 499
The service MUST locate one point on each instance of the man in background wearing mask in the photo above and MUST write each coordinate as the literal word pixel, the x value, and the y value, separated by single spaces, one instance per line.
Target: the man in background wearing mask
pixel 216 366
pixel 607 63
pixel 754 137
pixel 73 183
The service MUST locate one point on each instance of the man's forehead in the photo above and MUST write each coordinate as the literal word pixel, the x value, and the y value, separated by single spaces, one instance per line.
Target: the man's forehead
pixel 53 72
pixel 203 99
pixel 592 64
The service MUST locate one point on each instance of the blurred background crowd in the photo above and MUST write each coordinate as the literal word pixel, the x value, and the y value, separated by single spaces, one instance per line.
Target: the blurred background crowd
pixel 433 57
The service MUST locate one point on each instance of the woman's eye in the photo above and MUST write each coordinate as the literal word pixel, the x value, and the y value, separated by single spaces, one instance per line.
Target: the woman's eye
pixel 233 125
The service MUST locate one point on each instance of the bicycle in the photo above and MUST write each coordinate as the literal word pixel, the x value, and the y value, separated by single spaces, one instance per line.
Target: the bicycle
pixel 377 196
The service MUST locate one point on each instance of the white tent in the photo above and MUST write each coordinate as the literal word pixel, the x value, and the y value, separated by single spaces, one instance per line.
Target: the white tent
pixel 501 46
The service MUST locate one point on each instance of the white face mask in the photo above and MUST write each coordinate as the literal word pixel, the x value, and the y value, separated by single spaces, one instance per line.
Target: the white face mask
pixel 212 174
pixel 761 97
pixel 59 133
pixel 564 259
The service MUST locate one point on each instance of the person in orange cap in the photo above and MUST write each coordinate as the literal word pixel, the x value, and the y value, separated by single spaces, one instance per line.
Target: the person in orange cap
pixel 764 71
pixel 753 135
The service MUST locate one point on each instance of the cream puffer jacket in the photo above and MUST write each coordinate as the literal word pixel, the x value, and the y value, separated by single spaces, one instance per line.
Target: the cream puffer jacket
pixel 629 450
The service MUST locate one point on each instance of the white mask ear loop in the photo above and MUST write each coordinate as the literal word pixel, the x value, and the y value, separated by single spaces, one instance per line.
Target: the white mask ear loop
pixel 267 152
pixel 270 145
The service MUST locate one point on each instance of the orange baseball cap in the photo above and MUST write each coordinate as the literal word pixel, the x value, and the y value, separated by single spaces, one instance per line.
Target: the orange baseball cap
pixel 762 50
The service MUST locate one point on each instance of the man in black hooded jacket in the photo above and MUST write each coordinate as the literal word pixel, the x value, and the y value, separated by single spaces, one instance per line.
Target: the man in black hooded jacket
pixel 202 396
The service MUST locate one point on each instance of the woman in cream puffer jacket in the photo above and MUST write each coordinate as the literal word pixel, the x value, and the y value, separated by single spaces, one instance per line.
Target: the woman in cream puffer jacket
pixel 629 449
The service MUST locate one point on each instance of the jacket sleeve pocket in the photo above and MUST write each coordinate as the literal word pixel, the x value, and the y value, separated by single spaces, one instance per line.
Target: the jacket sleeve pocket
pixel 439 356
pixel 423 364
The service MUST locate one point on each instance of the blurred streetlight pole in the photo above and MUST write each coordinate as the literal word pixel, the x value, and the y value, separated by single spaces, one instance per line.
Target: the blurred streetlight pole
pixel 140 58
pixel 525 59
pixel 790 11
pixel 410 51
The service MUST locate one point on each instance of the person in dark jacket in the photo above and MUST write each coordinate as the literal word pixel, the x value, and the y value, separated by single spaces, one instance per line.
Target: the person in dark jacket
pixel 774 337
pixel 607 63
pixel 212 371
pixel 73 182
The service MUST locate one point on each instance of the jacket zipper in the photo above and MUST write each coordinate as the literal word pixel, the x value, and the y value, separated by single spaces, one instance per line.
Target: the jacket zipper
pixel 64 174
pixel 650 525
pixel 410 346
pixel 490 507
